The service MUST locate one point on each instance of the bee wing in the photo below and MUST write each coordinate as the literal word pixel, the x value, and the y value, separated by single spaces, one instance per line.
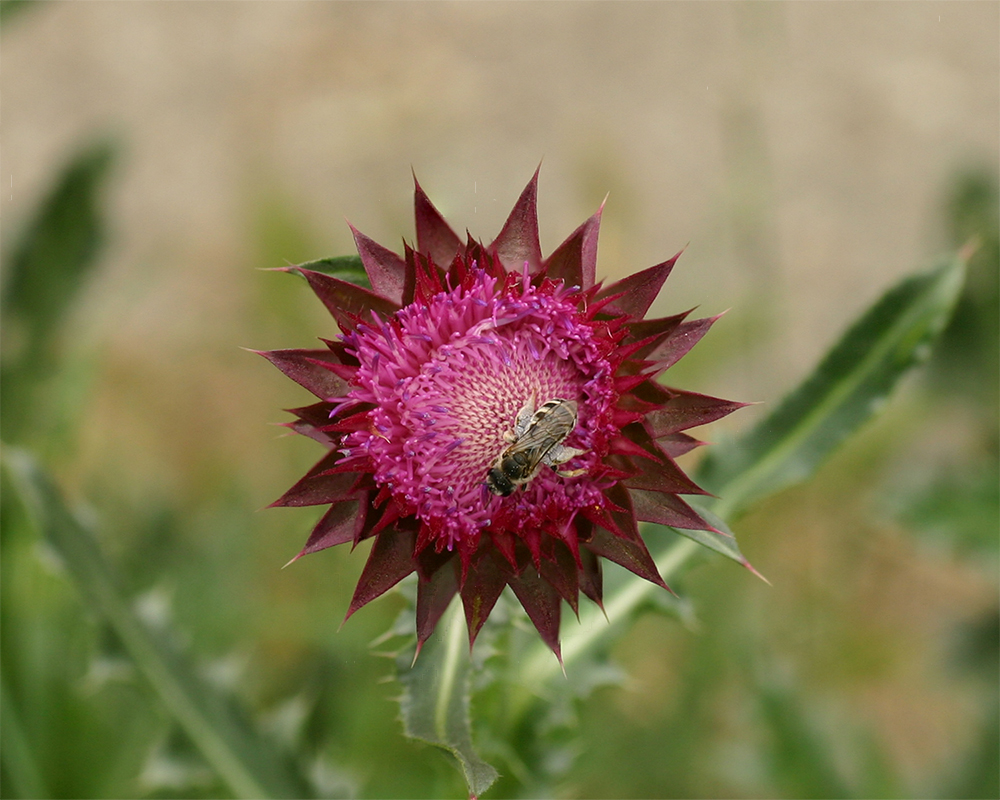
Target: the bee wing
pixel 535 456
pixel 539 438
pixel 536 445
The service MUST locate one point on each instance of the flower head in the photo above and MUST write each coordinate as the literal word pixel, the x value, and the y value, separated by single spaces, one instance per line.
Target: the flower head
pixel 494 418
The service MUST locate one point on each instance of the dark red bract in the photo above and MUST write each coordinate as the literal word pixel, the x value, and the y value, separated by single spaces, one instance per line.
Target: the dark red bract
pixel 420 393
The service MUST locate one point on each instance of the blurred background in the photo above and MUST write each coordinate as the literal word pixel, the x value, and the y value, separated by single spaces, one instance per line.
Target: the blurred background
pixel 806 156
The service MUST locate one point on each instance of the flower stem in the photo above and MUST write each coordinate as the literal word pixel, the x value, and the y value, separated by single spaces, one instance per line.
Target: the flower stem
pixel 454 628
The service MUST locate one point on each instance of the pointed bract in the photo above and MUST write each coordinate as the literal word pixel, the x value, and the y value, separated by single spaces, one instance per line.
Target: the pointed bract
pixel 688 410
pixel 386 271
pixel 344 300
pixel 633 555
pixel 390 560
pixel 680 342
pixel 666 509
pixel 574 262
pixel 518 242
pixel 434 595
pixel 339 525
pixel 480 592
pixel 663 476
pixel 639 290
pixel 309 368
pixel 591 578
pixel 319 486
pixel 561 571
pixel 542 603
pixel 677 444
pixel 660 327
pixel 434 236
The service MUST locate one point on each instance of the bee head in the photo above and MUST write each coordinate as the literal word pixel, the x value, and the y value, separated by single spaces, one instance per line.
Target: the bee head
pixel 498 483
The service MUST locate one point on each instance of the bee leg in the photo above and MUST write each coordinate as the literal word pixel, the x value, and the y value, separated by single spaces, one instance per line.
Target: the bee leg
pixel 570 473
pixel 560 454
pixel 524 417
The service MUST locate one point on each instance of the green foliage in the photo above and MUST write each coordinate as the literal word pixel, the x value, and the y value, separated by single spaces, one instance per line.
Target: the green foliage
pixel 958 510
pixel 850 384
pixel 48 266
pixel 100 701
pixel 848 387
pixel 435 700
pixel 347 268
pixel 12 8
pixel 19 761
pixel 249 765
pixel 976 654
pixel 799 758
pixel 58 250
pixel 959 507
pixel 967 362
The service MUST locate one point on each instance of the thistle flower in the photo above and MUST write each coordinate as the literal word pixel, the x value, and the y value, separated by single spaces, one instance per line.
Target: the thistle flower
pixel 461 354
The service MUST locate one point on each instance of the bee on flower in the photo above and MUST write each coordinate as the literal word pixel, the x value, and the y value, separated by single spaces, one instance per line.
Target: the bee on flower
pixel 494 418
pixel 536 440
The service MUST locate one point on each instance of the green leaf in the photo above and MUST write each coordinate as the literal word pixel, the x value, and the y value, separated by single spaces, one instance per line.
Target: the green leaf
pixel 848 387
pixel 800 761
pixel 346 268
pixel 435 701
pixel 12 8
pixel 19 763
pixel 966 361
pixel 959 508
pixel 251 766
pixel 980 773
pixel 58 248
pixel 48 265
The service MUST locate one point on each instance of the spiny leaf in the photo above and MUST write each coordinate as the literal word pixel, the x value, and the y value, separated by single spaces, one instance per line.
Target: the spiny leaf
pixel 435 701
pixel 251 766
pixel 848 387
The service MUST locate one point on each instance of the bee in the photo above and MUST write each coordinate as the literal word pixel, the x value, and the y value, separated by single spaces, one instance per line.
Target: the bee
pixel 536 441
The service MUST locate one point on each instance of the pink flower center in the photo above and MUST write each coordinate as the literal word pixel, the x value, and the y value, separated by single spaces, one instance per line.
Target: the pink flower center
pixel 448 379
